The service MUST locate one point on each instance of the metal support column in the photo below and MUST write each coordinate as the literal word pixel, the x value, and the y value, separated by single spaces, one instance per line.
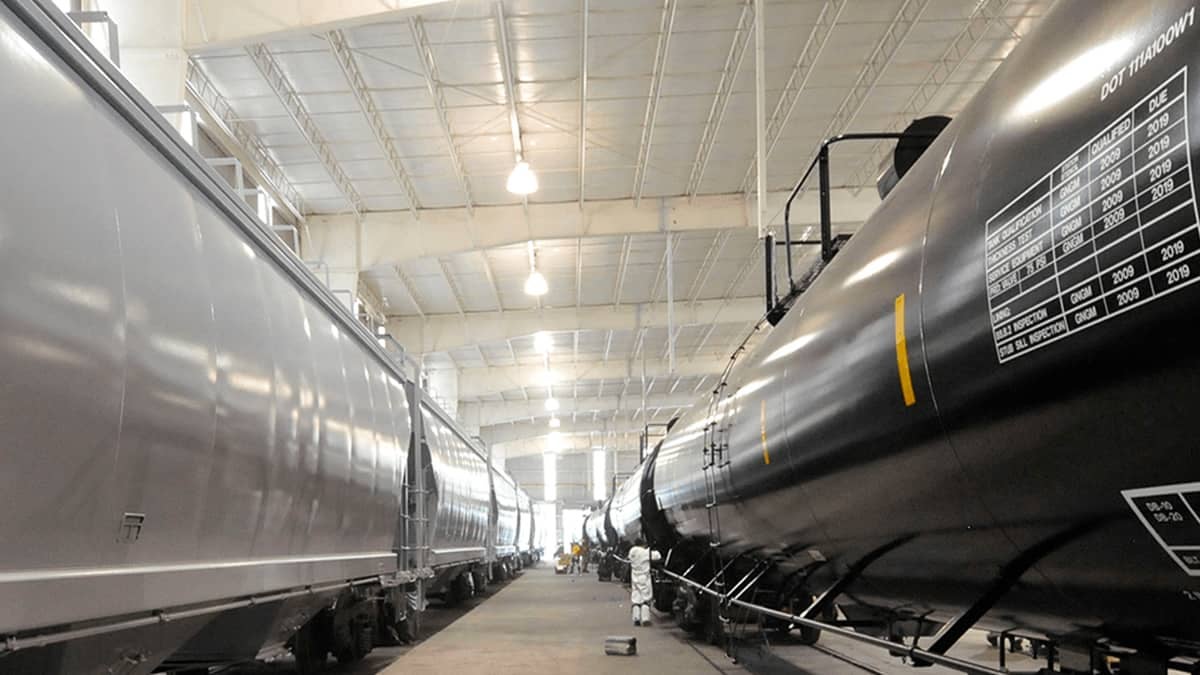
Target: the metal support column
pixel 826 226
pixel 663 224
pixel 760 113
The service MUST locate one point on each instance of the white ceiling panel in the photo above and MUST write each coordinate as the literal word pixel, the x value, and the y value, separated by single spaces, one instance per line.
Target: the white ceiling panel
pixel 465 124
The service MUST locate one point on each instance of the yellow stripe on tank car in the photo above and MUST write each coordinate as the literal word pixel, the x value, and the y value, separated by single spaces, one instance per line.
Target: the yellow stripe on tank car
pixel 763 422
pixel 906 386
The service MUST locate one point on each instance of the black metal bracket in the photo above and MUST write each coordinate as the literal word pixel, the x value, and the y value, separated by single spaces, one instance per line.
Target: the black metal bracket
pixel 746 582
pixel 953 630
pixel 940 659
pixel 825 600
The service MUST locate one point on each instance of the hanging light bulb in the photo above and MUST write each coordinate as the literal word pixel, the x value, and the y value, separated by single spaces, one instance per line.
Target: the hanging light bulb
pixel 536 284
pixel 522 180
pixel 551 404
pixel 555 422
pixel 542 342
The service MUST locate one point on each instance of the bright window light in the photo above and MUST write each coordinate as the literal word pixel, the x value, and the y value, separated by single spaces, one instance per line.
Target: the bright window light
pixel 545 527
pixel 555 423
pixel 542 342
pixel 522 180
pixel 536 284
pixel 572 524
pixel 552 404
pixel 550 476
pixel 599 479
pixel 187 127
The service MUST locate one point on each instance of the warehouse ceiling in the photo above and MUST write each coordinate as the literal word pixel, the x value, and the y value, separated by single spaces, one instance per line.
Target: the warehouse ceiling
pixel 638 117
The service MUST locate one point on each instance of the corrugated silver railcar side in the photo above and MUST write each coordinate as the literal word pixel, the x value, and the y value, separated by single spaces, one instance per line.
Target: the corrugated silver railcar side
pixel 186 422
pixel 458 504
pixel 506 513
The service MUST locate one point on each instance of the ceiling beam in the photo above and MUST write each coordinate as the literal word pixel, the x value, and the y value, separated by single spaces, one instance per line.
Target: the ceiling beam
pixel 571 435
pixel 624 442
pixel 236 137
pixel 743 269
pixel 622 265
pixel 392 237
pixel 366 103
pixel 444 265
pixel 669 250
pixel 706 267
pixel 433 84
pixel 665 28
pixel 411 291
pixel 476 383
pixel 220 24
pixel 716 112
pixel 510 89
pixel 872 71
pixel 491 413
pixel 797 80
pixel 491 277
pixel 583 74
pixel 443 332
pixel 985 14
pixel 579 272
pixel 286 93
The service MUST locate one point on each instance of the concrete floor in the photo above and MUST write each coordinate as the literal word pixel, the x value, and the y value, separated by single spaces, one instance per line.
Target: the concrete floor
pixel 548 623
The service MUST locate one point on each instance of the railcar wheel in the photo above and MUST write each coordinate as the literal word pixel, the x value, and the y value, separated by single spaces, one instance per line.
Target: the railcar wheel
pixel 409 628
pixel 309 650
pixel 714 628
pixel 361 641
pixel 664 598
pixel 810 636
pixel 460 590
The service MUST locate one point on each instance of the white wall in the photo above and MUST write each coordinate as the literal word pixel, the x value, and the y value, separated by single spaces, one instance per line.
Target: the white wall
pixel 574 474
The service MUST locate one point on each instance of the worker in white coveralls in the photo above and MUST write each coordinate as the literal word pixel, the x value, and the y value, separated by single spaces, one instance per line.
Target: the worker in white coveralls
pixel 641 591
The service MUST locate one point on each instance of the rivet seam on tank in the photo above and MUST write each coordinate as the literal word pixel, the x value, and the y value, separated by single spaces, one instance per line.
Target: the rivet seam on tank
pixel 906 386
pixel 763 422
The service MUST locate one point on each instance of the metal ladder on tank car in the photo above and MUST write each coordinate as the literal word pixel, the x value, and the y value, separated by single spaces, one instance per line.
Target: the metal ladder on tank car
pixel 716 460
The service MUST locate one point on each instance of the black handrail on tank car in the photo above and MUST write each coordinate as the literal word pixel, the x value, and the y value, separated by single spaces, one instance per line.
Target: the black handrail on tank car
pixel 821 162
pixel 914 653
pixel 776 308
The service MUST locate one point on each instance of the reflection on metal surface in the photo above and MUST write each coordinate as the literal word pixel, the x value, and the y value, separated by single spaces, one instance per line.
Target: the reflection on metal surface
pixel 873 267
pixel 790 348
pixel 1078 73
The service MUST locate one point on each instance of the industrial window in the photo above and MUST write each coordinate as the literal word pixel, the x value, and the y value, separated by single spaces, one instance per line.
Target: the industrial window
pixel 599 479
pixel 550 477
